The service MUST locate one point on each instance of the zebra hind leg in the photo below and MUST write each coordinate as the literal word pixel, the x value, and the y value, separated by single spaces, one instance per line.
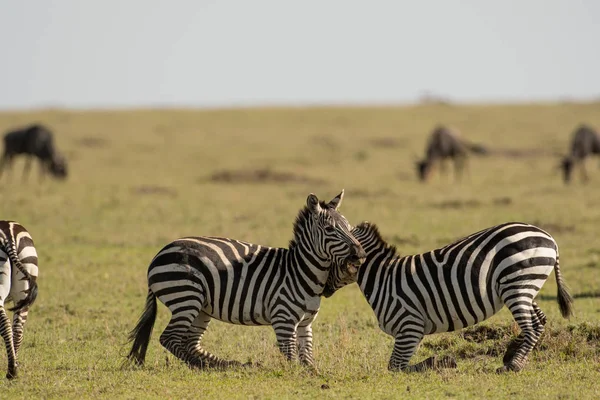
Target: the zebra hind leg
pixel 6 332
pixel 198 356
pixel 19 320
pixel 174 335
pixel 516 343
pixel 530 321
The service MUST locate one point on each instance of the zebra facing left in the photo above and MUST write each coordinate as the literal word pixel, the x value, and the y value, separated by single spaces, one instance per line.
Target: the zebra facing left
pixel 18 275
pixel 201 278
pixel 456 286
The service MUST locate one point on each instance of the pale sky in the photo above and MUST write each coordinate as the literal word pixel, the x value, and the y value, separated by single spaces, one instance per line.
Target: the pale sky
pixel 198 53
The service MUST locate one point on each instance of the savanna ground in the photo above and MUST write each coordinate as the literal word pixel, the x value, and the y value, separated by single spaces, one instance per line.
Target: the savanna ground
pixel 140 179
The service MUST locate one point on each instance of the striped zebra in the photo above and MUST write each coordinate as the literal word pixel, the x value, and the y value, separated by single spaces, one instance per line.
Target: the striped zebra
pixel 456 286
pixel 18 274
pixel 200 278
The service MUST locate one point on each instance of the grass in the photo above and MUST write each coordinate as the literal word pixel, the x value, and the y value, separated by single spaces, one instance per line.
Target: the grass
pixel 140 179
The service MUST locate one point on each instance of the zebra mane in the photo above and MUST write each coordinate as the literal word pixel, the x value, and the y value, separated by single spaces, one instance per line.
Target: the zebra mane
pixel 373 232
pixel 301 218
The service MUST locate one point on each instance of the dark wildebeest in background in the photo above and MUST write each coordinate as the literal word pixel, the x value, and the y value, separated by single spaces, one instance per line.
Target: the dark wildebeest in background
pixel 445 143
pixel 34 141
pixel 585 142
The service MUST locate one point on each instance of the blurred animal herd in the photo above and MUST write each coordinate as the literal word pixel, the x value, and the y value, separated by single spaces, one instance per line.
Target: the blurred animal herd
pixel 444 144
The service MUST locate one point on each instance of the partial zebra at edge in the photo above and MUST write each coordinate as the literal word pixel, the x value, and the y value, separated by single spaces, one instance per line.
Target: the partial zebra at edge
pixel 18 282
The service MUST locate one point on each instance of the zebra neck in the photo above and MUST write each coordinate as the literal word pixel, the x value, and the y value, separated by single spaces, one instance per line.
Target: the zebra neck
pixel 306 269
pixel 374 269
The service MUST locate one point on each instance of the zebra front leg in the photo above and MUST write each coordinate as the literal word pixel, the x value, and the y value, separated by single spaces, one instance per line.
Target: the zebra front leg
pixel 198 356
pixel 305 346
pixel 6 332
pixel 285 331
pixel 405 345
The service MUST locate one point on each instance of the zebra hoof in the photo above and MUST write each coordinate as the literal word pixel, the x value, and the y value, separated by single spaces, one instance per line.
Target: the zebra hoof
pixel 508 368
pixel 250 364
pixel 11 374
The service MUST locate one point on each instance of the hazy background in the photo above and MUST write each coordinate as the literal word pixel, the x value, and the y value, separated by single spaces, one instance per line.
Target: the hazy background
pixel 114 53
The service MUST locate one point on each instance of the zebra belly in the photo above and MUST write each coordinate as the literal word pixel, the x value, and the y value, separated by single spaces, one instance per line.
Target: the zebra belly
pixel 246 317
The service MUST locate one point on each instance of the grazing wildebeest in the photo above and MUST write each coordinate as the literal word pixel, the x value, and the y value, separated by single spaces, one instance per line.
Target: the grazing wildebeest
pixel 585 142
pixel 446 143
pixel 34 141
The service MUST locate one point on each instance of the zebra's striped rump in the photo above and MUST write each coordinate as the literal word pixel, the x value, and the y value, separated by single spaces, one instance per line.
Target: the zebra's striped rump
pixel 460 285
pixel 18 275
pixel 201 278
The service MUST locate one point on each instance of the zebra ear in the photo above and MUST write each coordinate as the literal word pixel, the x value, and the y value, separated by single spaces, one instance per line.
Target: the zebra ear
pixel 336 202
pixel 312 202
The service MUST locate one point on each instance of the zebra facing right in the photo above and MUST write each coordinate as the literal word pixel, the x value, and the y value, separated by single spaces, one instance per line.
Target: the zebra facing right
pixel 201 278
pixel 456 286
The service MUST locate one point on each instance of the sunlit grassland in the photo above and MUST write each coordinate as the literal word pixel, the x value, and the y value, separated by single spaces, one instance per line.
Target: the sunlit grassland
pixel 139 179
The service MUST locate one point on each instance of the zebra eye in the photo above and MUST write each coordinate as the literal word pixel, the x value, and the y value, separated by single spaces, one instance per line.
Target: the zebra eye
pixel 329 229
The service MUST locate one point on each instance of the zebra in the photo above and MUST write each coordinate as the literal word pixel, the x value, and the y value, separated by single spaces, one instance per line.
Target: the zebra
pixel 35 141
pixel 200 278
pixel 18 275
pixel 585 142
pixel 445 143
pixel 456 286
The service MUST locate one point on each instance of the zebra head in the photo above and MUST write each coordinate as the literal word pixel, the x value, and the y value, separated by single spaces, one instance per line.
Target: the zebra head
pixel 328 234
pixel 344 274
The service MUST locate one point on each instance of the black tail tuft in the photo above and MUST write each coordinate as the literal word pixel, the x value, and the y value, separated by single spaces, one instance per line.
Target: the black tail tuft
pixel 565 300
pixel 140 335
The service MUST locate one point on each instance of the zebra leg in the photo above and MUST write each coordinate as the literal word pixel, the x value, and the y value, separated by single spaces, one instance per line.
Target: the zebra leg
pixel 174 335
pixel 6 332
pixel 405 345
pixel 305 346
pixel 285 331
pixel 19 320
pixel 516 343
pixel 531 330
pixel 199 357
pixel 5 326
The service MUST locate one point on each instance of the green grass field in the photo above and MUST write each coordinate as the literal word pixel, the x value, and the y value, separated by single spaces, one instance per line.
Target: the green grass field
pixel 139 179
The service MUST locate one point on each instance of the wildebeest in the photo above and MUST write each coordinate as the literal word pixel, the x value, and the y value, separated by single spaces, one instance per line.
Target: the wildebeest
pixel 445 143
pixel 34 141
pixel 585 142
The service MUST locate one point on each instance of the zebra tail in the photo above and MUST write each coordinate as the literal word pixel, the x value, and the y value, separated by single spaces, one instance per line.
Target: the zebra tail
pixel 565 301
pixel 140 335
pixel 32 292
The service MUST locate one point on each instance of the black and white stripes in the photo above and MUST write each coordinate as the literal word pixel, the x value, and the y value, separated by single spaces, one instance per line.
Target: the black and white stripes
pixel 200 278
pixel 18 274
pixel 459 285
